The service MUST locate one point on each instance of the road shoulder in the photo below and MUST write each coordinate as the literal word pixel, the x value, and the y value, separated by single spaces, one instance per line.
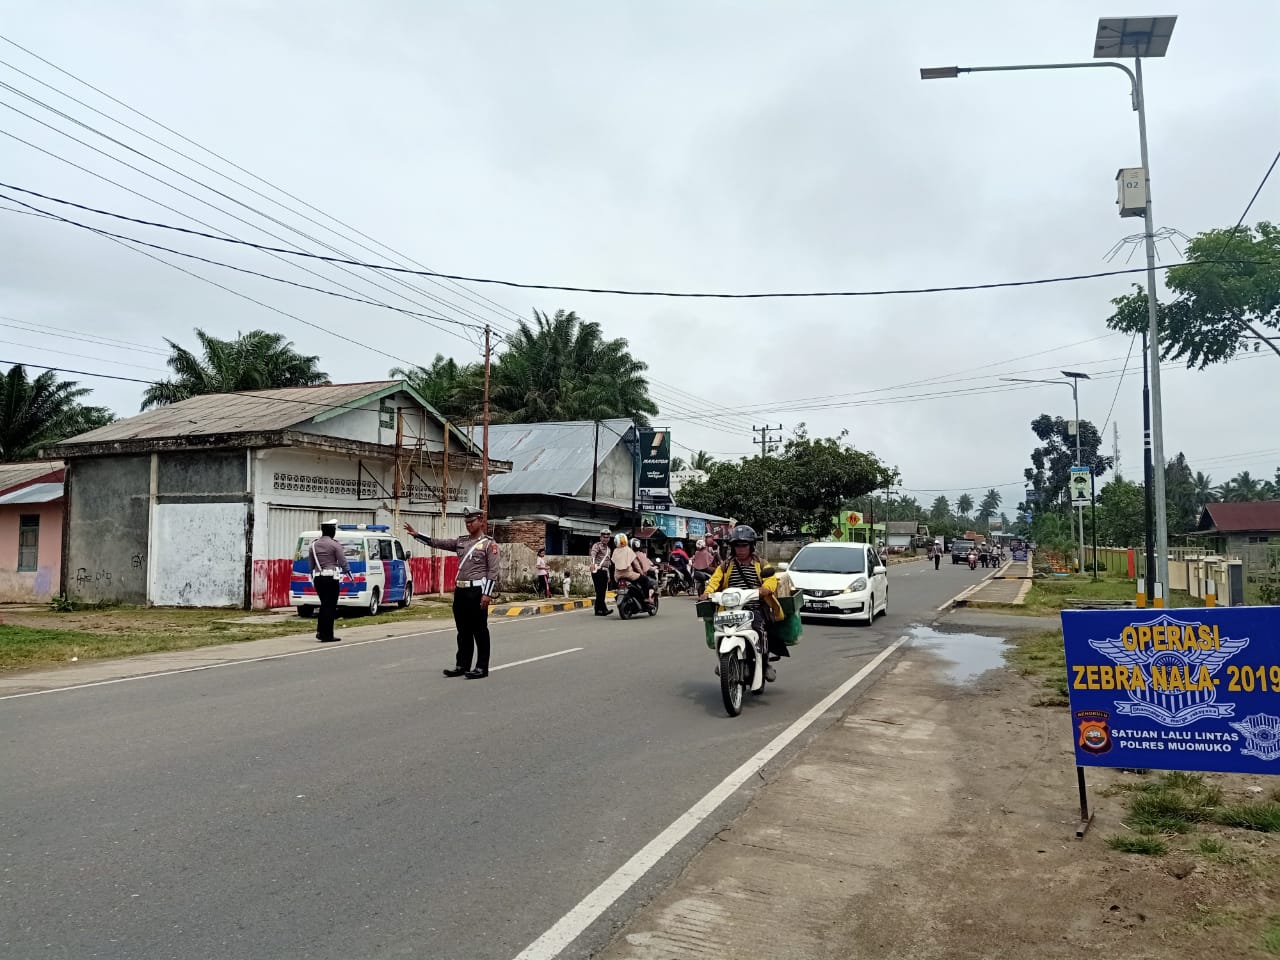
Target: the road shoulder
pixel 934 820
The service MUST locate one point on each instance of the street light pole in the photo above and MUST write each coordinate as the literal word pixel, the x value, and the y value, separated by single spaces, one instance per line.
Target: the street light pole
pixel 1136 37
pixel 1155 436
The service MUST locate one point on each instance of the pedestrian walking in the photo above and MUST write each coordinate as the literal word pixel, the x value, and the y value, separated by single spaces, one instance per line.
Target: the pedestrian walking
pixel 935 554
pixel 328 567
pixel 598 559
pixel 476 586
pixel 544 574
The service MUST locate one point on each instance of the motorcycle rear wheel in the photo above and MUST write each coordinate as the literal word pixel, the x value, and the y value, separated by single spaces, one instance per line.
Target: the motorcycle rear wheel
pixel 733 685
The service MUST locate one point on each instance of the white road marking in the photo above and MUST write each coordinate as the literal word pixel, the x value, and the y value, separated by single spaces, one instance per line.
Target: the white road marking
pixel 545 656
pixel 275 656
pixel 569 927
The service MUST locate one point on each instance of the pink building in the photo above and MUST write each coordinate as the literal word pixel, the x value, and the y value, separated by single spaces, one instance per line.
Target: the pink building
pixel 31 502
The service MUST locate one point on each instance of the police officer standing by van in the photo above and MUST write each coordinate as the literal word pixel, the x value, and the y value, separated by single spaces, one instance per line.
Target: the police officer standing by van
pixel 476 587
pixel 328 567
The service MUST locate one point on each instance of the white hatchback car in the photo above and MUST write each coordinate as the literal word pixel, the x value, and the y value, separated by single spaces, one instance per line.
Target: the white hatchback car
pixel 848 581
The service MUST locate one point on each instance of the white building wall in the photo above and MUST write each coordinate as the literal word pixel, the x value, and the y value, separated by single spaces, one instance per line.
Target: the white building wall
pixel 197 554
pixel 375 422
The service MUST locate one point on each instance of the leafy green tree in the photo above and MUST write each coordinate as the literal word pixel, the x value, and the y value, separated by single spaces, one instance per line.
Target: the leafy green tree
pixel 1182 507
pixel 1051 462
pixel 1242 488
pixel 1120 516
pixel 677 464
pixel 1204 489
pixel 256 360
pixel 42 412
pixel 1227 298
pixel 802 487
pixel 964 505
pixel 562 368
pixel 454 389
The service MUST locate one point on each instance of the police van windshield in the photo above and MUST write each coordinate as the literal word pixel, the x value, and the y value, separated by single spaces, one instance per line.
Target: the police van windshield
pixel 351 549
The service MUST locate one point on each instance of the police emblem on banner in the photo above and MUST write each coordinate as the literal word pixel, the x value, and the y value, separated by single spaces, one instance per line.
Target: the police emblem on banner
pixel 1171 665
pixel 1262 736
pixel 1095 731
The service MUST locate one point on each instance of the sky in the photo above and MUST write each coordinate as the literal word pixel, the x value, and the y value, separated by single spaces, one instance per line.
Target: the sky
pixel 708 146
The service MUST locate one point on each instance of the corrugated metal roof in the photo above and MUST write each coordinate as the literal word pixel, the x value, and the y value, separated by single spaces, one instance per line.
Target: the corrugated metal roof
pixel 13 474
pixel 214 413
pixel 550 457
pixel 32 493
pixel 1260 515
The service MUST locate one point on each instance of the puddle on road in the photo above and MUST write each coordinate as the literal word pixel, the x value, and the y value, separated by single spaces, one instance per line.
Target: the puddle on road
pixel 969 655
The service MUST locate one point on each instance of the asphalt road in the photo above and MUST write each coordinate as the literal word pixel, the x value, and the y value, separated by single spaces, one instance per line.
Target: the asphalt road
pixel 355 804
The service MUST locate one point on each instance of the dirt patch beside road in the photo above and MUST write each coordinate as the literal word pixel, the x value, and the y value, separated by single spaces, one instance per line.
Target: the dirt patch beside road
pixel 937 820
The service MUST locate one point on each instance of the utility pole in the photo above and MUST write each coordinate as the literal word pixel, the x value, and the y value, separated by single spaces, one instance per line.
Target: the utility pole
pixel 397 481
pixel 1115 448
pixel 766 437
pixel 444 489
pixel 484 488
pixel 595 467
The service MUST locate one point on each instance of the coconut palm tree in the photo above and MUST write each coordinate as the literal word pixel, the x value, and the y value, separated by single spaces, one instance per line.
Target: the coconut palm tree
pixel 704 461
pixel 256 360
pixel 41 412
pixel 562 368
pixel 455 390
pixel 1204 489
pixel 964 503
pixel 990 506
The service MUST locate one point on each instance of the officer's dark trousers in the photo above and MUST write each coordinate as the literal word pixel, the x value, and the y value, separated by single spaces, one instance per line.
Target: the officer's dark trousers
pixel 601 580
pixel 327 592
pixel 472 621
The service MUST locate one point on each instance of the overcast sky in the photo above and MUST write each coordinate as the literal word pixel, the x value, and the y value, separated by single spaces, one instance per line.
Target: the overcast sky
pixel 723 146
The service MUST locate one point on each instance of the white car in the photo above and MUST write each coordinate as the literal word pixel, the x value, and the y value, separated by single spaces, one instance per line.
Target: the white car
pixel 847 581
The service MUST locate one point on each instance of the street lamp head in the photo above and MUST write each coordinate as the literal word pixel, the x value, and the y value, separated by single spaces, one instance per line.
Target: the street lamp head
pixel 939 73
pixel 1133 37
pixel 1076 376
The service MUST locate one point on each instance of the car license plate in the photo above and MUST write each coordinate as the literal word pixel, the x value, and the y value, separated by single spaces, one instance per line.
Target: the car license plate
pixel 815 605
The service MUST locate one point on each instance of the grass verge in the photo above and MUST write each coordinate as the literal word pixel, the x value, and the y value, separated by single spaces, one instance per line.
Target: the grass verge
pixel 1127 843
pixel 44 638
pixel 1041 656
pixel 1271 936
pixel 1049 596
pixel 1263 816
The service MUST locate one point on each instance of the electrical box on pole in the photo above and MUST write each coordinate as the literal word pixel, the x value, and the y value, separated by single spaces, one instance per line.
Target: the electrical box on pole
pixel 1131 191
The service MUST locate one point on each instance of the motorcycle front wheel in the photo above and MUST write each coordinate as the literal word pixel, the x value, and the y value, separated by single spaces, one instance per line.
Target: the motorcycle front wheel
pixel 733 682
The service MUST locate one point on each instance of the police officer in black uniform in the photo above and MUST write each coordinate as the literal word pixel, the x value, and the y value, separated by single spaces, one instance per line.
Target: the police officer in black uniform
pixel 476 587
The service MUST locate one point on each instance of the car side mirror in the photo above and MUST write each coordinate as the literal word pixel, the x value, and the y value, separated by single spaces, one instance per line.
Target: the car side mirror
pixel 784 567
pixel 880 570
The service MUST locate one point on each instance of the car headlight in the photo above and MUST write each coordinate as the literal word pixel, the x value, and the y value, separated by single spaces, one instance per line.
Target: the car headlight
pixel 858 585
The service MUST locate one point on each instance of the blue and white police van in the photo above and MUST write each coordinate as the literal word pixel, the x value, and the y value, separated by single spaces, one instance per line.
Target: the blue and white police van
pixel 379 570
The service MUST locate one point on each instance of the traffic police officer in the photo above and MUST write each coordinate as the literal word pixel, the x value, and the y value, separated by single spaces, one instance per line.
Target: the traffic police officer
pixel 475 589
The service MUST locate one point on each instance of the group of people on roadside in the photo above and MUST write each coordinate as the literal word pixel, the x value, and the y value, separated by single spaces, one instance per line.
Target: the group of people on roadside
pixel 615 557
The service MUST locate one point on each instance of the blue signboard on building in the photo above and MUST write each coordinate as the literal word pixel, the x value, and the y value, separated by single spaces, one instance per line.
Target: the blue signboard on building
pixel 1193 689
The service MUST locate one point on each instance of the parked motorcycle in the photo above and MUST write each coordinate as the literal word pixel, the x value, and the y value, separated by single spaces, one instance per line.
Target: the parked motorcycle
pixel 743 651
pixel 632 602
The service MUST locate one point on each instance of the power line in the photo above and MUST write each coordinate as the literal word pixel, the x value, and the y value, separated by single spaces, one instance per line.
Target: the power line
pixel 1119 383
pixel 274 253
pixel 470 294
pixel 565 288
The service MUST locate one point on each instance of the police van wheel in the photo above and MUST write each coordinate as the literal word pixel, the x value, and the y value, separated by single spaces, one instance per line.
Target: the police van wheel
pixel 306 611
pixel 375 602
pixel 408 596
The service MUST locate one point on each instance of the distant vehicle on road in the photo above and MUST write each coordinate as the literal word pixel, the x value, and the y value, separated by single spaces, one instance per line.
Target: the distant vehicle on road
pixel 960 550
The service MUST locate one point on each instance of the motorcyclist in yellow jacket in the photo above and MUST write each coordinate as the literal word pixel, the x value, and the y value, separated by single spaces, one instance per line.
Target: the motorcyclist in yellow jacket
pixel 745 570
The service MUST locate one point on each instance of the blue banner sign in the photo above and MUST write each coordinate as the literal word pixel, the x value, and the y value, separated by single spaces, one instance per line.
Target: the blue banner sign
pixel 1193 689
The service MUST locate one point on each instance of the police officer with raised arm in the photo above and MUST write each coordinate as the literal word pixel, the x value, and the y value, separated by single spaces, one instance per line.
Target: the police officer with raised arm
pixel 475 589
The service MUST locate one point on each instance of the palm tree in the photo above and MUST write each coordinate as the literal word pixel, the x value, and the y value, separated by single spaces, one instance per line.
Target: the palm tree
pixel 990 504
pixel 562 368
pixel 704 461
pixel 256 360
pixel 678 464
pixel 1204 489
pixel 41 412
pixel 1240 488
pixel 454 389
pixel 964 503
